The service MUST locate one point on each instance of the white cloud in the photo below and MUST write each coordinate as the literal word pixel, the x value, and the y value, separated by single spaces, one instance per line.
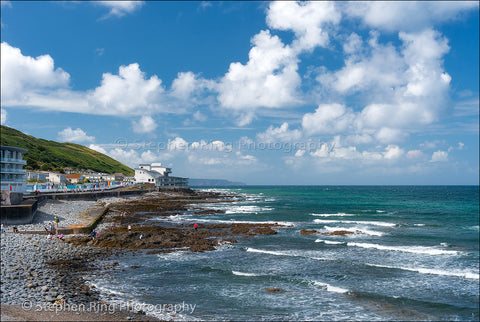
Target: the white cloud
pixel 130 157
pixel 393 152
pixel 205 4
pixel 3 116
pixel 145 125
pixel 389 135
pixel 77 135
pixel 184 85
pixel 402 90
pixel 97 148
pixel 305 19
pixel 190 88
pixel 439 156
pixel 353 44
pixel 22 76
pixel 414 154
pixel 407 15
pixel 198 116
pixel 177 144
pixel 328 119
pixel 120 8
pixel 128 93
pixel 269 79
pixel 279 134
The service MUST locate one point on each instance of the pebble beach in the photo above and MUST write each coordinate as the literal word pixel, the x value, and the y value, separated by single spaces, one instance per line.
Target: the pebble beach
pixel 41 275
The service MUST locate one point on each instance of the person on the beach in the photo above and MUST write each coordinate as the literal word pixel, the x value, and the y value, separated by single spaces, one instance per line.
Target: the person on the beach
pixel 3 228
pixel 129 227
pixel 195 226
pixel 93 234
pixel 113 225
pixel 15 229
pixel 56 220
pixel 49 233
pixel 52 229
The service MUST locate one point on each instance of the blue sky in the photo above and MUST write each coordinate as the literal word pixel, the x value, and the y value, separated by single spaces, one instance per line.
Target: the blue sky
pixel 258 92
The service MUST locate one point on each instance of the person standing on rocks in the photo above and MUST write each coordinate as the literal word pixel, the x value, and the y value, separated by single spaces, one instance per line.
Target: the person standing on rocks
pixel 129 228
pixel 3 228
pixel 56 221
pixel 195 226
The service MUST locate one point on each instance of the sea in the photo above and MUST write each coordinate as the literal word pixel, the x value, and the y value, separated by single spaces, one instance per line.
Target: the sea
pixel 413 255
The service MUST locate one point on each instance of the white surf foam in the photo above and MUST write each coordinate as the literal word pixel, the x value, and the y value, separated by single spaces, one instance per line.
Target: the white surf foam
pixel 329 242
pixel 408 249
pixel 457 273
pixel 277 253
pixel 419 225
pixel 217 221
pixel 244 274
pixel 178 218
pixel 354 230
pixel 245 209
pixel 330 288
pixel 340 214
pixel 271 252
pixel 375 223
pixel 381 211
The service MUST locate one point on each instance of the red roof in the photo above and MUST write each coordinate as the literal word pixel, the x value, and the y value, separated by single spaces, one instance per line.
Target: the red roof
pixel 73 176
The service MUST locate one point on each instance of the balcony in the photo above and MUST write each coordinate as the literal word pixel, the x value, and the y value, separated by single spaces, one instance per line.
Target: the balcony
pixel 14 171
pixel 6 180
pixel 10 160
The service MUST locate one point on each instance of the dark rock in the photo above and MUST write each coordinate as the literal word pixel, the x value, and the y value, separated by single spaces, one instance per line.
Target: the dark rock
pixel 274 290
pixel 308 232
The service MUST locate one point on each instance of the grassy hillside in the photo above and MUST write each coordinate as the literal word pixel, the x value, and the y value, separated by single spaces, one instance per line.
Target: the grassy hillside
pixel 49 155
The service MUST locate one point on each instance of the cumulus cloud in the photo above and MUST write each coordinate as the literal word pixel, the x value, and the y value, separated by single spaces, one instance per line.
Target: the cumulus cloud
pixel 439 156
pixel 406 15
pixel 279 134
pixel 120 8
pixel 190 88
pixel 178 144
pixel 305 19
pixel 145 125
pixel 77 135
pixel 328 119
pixel 22 76
pixel 403 90
pixel 393 152
pixel 269 79
pixel 129 92
pixel 97 148
pixel 3 117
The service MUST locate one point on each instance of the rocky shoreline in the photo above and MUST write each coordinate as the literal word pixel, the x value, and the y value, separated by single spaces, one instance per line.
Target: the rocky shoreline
pixel 41 273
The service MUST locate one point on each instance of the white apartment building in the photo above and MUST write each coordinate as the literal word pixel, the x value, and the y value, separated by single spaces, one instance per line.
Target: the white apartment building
pixel 55 177
pixel 158 175
pixel 13 176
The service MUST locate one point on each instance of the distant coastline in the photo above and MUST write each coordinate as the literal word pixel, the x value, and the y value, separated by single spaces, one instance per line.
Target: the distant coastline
pixel 213 183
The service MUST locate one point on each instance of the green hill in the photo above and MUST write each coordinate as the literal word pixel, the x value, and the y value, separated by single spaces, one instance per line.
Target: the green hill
pixel 48 155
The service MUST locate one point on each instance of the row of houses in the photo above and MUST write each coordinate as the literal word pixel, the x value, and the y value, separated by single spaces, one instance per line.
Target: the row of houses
pixel 14 177
pixel 74 178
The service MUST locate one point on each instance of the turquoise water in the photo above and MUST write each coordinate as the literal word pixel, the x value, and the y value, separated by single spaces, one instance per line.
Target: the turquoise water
pixel 414 255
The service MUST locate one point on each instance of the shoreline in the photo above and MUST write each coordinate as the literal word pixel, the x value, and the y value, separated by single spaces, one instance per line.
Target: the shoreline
pixel 55 274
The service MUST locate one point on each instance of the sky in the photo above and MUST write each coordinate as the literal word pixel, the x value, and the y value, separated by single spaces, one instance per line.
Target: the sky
pixel 288 93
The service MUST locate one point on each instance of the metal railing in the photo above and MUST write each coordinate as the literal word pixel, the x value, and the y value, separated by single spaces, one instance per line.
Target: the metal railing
pixel 11 160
